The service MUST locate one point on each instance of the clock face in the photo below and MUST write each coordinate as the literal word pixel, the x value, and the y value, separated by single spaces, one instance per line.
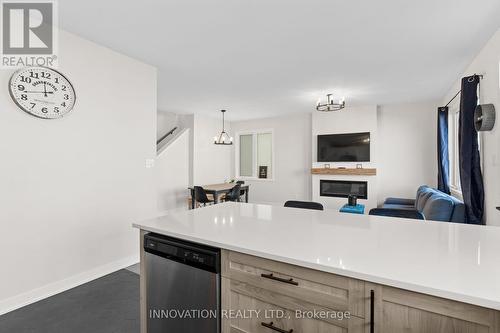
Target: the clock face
pixel 42 92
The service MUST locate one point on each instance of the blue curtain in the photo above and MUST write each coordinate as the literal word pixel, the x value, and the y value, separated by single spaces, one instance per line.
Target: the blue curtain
pixel 471 178
pixel 442 144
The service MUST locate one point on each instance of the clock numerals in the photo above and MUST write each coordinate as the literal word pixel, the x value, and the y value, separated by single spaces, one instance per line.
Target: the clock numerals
pixel 25 79
pixel 42 92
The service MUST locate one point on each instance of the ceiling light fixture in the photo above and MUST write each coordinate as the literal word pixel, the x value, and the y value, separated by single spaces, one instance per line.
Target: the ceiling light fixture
pixel 330 104
pixel 223 138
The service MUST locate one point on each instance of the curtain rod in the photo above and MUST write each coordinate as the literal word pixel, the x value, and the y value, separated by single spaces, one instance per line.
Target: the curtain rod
pixel 458 93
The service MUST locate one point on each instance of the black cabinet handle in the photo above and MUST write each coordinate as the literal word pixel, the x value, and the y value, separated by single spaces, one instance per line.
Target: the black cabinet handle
pixel 372 311
pixel 274 328
pixel 272 277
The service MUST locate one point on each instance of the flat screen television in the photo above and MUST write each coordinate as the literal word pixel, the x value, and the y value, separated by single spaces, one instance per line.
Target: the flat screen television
pixel 350 147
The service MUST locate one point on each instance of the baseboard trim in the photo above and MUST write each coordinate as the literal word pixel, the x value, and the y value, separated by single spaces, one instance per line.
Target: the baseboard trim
pixel 35 295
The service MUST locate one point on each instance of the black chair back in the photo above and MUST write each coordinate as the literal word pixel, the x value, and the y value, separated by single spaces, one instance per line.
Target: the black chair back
pixel 234 194
pixel 241 182
pixel 304 204
pixel 200 195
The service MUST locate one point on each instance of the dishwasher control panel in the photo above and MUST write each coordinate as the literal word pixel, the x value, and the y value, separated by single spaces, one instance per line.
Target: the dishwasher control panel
pixel 195 255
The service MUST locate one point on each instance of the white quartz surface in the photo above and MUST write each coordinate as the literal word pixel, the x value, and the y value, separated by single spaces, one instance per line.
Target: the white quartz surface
pixel 455 261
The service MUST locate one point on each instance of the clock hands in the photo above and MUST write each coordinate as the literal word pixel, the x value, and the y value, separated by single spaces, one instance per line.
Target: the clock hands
pixel 40 92
pixel 44 92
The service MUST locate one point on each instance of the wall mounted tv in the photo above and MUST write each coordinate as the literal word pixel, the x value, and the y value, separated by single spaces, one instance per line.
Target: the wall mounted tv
pixel 350 147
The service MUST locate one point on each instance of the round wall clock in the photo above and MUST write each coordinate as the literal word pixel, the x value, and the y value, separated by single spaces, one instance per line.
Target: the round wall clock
pixel 42 92
pixel 484 117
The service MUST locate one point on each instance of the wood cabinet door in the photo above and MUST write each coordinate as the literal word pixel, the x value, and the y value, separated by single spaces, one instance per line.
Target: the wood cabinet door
pixel 323 289
pixel 250 309
pixel 401 311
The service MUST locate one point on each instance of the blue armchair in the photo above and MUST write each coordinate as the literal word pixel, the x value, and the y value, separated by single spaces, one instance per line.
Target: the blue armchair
pixel 430 204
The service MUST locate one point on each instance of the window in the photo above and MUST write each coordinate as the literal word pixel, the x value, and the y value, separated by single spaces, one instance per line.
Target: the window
pixel 453 148
pixel 246 155
pixel 255 155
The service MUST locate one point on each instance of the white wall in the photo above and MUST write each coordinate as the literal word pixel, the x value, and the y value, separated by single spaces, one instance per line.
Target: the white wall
pixel 487 63
pixel 191 159
pixel 403 151
pixel 165 122
pixel 292 139
pixel 349 120
pixel 211 163
pixel 407 149
pixel 172 173
pixel 71 187
pixel 187 122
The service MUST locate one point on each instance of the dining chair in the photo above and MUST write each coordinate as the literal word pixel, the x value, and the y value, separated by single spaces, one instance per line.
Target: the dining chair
pixel 304 204
pixel 201 196
pixel 241 182
pixel 234 194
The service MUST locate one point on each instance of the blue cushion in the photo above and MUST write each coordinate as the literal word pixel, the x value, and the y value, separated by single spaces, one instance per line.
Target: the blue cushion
pixel 438 207
pixel 432 203
pixel 458 214
pixel 422 198
pixel 421 189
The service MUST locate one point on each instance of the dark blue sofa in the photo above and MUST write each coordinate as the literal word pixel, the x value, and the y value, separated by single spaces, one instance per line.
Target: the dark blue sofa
pixel 430 204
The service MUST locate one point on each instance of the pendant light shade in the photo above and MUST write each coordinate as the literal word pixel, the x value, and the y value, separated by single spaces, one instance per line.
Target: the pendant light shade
pixel 223 138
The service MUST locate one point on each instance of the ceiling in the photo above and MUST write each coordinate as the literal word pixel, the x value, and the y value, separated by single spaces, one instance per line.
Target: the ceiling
pixel 261 58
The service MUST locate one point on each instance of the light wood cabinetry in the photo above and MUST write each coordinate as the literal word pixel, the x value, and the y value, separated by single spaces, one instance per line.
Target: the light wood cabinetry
pixel 398 310
pixel 324 289
pixel 279 291
pixel 266 311
pixel 279 298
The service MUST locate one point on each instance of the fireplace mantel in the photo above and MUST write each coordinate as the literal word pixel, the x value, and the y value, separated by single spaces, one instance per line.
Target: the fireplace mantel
pixel 345 171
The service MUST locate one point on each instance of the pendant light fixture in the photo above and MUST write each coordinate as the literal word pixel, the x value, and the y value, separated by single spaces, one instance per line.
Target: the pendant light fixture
pixel 223 138
pixel 330 104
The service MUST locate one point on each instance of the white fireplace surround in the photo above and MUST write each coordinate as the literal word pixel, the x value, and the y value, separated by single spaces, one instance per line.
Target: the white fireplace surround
pixel 349 120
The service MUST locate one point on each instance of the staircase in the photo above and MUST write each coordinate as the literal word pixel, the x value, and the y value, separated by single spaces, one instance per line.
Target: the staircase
pixel 166 140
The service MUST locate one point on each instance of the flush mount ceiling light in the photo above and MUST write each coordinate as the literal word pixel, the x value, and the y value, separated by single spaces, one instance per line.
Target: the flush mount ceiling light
pixel 330 104
pixel 223 138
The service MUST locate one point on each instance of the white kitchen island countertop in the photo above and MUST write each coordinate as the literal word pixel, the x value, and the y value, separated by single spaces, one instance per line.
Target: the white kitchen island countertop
pixel 455 261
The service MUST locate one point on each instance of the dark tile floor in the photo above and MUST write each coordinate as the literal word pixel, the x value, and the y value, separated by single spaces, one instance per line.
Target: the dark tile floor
pixel 106 305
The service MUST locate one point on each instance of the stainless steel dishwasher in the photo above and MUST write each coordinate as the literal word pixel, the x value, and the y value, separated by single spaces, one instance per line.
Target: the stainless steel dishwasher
pixel 183 286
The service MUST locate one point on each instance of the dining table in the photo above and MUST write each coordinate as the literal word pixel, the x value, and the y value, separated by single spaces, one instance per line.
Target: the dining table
pixel 217 190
